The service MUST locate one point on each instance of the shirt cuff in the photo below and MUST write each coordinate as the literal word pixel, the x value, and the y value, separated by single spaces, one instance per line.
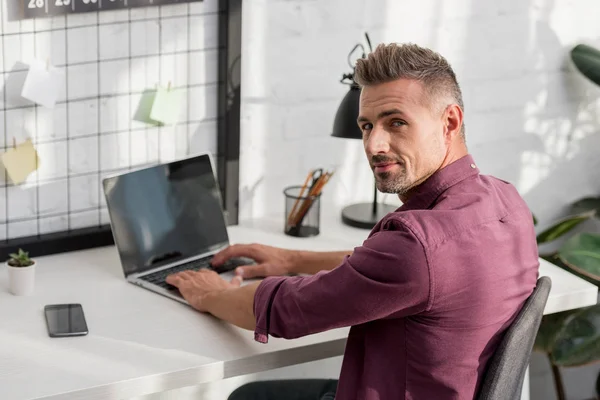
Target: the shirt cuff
pixel 263 299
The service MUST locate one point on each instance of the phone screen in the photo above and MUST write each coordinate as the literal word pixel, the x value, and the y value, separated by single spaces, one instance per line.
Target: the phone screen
pixel 65 320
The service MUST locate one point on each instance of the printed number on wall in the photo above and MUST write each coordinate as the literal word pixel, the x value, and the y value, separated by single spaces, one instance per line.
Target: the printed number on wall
pixel 36 3
pixel 89 1
pixel 62 3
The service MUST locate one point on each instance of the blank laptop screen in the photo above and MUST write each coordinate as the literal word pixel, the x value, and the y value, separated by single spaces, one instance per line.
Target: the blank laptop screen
pixel 165 213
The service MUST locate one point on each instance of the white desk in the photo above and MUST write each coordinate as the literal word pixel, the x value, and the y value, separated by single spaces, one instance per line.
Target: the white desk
pixel 141 342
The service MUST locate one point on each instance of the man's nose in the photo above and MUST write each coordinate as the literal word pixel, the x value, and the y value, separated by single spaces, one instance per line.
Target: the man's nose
pixel 378 142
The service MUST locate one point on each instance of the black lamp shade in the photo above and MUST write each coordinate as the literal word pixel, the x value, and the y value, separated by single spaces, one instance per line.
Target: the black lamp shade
pixel 344 125
pixel 587 61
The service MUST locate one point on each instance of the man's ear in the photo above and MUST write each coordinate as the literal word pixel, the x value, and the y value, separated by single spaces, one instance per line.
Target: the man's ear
pixel 452 120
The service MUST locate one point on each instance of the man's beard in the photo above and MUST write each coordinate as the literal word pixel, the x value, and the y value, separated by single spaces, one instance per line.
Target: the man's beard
pixel 389 182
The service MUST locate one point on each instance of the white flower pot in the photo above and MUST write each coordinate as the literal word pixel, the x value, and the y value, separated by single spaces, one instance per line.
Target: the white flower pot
pixel 21 280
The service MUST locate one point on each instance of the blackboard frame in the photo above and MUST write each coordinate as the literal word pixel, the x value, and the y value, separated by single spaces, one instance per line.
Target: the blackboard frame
pixel 51 8
pixel 228 149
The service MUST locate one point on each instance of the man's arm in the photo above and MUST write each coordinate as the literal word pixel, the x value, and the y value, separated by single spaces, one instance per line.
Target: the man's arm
pixel 386 277
pixel 234 305
pixel 311 262
pixel 274 261
pixel 208 292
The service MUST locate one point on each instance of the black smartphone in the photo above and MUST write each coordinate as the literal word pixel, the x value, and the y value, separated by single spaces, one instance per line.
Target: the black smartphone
pixel 65 320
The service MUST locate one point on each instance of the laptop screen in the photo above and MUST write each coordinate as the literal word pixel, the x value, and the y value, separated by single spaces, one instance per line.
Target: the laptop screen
pixel 165 213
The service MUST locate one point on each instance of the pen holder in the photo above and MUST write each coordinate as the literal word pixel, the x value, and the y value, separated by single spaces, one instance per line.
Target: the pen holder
pixel 302 213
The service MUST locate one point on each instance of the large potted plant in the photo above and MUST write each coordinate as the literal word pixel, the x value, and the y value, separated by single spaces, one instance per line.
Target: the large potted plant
pixel 572 338
pixel 21 273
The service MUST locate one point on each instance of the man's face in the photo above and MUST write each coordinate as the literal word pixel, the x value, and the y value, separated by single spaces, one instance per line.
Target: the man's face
pixel 403 134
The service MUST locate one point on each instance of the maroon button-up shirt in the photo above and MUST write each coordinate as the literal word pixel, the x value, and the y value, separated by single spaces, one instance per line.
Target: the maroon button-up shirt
pixel 428 295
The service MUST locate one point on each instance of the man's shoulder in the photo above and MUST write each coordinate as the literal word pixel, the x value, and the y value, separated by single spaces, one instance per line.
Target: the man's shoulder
pixel 462 207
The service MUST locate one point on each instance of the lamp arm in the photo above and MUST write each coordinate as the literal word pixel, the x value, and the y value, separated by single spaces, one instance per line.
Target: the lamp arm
pixel 375 199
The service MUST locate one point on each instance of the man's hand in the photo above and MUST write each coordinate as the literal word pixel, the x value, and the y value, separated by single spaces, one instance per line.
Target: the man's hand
pixel 196 286
pixel 270 260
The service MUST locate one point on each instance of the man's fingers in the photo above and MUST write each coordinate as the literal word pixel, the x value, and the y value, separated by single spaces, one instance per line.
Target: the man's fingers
pixel 179 277
pixel 235 250
pixel 174 279
pixel 186 274
pixel 236 281
pixel 251 271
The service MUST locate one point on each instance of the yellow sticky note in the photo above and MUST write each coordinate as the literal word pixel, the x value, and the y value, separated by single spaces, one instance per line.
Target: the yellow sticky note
pixel 166 106
pixel 20 161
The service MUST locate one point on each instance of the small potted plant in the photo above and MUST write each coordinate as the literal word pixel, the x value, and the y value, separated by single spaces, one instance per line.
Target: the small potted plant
pixel 21 273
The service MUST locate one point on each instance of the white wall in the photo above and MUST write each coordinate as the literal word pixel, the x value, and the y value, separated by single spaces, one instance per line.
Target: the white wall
pixel 528 120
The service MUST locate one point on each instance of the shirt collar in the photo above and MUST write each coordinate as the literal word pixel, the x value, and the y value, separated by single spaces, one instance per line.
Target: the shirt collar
pixel 426 193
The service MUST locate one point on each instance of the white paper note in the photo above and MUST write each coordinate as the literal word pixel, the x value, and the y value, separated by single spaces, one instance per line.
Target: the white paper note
pixel 43 84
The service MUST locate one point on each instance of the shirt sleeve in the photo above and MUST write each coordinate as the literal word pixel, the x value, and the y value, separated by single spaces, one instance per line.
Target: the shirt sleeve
pixel 387 277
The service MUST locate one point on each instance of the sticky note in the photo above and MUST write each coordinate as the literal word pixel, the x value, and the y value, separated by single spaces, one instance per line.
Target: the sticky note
pixel 20 161
pixel 167 106
pixel 142 113
pixel 43 84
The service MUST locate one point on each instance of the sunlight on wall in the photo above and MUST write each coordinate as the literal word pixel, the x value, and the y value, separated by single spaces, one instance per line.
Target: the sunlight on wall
pixel 561 113
pixel 535 168
pixel 254 113
pixel 570 23
pixel 412 16
pixel 354 180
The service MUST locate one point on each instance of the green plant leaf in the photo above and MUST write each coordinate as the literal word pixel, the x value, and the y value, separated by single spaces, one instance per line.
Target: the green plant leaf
pixel 582 254
pixel 535 221
pixel 586 204
pixel 587 60
pixel 551 326
pixel 578 341
pixel 563 226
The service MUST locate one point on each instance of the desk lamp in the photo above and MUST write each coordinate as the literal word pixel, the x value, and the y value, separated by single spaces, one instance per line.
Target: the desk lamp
pixel 361 215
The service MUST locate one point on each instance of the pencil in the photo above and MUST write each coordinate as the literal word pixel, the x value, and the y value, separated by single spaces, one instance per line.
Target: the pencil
pixel 316 191
pixel 310 173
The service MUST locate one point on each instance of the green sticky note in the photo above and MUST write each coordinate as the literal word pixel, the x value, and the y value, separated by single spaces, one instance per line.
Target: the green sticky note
pixel 167 106
pixel 144 108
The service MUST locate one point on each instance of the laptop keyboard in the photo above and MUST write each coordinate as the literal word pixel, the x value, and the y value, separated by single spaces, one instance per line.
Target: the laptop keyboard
pixel 158 278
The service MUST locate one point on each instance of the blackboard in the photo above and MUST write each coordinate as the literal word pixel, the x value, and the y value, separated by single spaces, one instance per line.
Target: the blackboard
pixel 36 231
pixel 48 8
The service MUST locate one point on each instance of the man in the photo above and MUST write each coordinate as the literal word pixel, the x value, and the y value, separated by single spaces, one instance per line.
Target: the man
pixel 432 289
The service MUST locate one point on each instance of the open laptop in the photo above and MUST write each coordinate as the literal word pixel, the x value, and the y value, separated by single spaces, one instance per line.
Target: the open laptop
pixel 167 218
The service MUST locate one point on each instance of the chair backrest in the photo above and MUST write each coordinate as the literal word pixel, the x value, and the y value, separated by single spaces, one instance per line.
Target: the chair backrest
pixel 503 379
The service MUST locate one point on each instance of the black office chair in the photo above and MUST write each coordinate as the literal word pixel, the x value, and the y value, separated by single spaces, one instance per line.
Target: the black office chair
pixel 505 373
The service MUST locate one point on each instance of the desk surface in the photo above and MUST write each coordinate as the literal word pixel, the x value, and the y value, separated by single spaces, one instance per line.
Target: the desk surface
pixel 141 342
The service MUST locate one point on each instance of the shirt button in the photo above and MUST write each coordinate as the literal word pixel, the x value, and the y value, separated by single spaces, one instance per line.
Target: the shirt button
pixel 473 166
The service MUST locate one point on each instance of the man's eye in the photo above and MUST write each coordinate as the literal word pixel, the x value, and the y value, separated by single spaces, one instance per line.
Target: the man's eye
pixel 367 127
pixel 398 123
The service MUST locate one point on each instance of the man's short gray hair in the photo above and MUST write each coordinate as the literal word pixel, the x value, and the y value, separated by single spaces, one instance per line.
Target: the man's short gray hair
pixel 410 61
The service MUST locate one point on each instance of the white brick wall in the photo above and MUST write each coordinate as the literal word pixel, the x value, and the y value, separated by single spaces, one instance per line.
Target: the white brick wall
pixel 528 119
